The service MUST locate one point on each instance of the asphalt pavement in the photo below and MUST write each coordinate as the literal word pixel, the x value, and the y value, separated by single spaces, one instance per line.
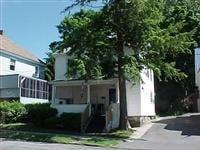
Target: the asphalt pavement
pixel 172 133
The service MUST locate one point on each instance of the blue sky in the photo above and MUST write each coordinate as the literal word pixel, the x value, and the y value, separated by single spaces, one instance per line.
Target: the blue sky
pixel 32 23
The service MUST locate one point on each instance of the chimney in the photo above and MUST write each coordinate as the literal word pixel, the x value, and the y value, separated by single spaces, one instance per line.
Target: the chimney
pixel 1 32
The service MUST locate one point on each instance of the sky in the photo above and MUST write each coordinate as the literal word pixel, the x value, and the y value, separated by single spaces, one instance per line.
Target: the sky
pixel 32 23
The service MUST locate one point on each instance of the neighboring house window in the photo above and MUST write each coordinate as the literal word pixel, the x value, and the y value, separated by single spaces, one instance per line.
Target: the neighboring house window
pixel 12 64
pixel 37 71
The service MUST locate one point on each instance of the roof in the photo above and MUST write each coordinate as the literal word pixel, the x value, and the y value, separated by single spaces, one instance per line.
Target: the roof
pixel 8 46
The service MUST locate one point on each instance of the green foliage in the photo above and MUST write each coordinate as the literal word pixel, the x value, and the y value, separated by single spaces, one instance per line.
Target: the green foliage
pixel 49 67
pixel 52 122
pixel 149 36
pixel 38 113
pixel 186 11
pixel 11 112
pixel 71 121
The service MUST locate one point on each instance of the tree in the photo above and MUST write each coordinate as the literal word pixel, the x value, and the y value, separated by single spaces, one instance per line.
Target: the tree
pixel 49 61
pixel 186 11
pixel 134 24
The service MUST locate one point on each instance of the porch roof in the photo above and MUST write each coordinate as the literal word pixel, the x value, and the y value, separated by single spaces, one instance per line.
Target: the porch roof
pixel 83 82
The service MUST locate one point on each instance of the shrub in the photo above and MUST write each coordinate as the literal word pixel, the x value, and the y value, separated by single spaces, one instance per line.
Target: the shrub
pixel 11 112
pixel 52 123
pixel 71 121
pixel 38 113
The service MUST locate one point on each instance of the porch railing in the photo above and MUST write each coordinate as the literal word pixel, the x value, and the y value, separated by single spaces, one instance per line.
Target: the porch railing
pixel 85 118
pixel 112 117
pixel 109 118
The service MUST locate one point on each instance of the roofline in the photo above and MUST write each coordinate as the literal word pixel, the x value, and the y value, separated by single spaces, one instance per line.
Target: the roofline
pixel 83 82
pixel 21 57
pixel 24 76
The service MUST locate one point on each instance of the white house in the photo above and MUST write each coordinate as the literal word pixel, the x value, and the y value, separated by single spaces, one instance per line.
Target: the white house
pixel 96 98
pixel 21 74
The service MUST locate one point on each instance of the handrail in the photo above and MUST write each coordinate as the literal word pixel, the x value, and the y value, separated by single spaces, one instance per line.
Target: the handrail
pixel 109 117
pixel 85 117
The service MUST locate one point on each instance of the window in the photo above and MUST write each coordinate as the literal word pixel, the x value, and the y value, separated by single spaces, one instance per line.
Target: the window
pixel 36 71
pixel 12 64
pixel 34 88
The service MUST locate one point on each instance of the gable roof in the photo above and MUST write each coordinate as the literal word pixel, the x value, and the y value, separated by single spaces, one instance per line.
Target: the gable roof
pixel 8 46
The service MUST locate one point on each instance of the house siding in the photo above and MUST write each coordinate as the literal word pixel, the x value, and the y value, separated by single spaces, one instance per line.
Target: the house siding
pixel 197 72
pixel 133 99
pixel 22 67
pixel 60 66
pixel 9 81
pixel 9 93
pixel 73 92
pixel 147 100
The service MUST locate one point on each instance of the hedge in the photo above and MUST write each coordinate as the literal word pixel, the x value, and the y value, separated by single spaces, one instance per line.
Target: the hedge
pixel 71 121
pixel 11 112
pixel 38 113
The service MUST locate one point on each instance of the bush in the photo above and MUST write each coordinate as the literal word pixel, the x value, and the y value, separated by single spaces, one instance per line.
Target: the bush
pixel 11 112
pixel 71 121
pixel 38 113
pixel 52 123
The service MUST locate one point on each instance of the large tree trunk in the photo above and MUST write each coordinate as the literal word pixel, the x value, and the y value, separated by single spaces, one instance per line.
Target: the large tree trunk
pixel 118 19
pixel 123 104
pixel 122 84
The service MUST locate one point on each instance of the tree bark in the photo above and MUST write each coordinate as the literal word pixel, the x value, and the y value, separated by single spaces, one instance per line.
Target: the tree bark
pixel 122 83
pixel 123 104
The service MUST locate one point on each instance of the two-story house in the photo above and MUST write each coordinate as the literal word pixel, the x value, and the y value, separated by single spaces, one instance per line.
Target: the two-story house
pixel 98 100
pixel 21 74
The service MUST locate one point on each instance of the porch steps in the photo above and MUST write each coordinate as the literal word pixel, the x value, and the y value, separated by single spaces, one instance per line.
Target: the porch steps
pixel 96 124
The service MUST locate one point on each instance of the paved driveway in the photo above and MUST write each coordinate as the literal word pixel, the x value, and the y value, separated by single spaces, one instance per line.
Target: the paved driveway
pixel 181 133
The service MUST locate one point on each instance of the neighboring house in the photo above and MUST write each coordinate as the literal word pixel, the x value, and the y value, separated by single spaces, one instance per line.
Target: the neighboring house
pixel 21 74
pixel 197 74
pixel 99 99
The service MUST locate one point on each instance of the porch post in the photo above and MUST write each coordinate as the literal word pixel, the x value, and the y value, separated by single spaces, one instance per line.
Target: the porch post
pixel 88 98
pixel 53 94
pixel 117 92
pixel 88 93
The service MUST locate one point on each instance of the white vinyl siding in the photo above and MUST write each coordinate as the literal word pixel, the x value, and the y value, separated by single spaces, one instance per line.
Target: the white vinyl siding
pixel 13 65
pixel 133 99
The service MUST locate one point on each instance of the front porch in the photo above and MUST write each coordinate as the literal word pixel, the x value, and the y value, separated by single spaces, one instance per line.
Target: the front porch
pixel 92 99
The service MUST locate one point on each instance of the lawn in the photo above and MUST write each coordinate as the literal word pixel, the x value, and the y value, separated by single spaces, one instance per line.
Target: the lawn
pixel 28 132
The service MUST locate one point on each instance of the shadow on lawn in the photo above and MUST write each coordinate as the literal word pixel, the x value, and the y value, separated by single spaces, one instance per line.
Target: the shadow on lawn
pixel 188 125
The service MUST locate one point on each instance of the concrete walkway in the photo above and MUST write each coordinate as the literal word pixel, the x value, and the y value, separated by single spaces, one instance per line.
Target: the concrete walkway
pixel 171 133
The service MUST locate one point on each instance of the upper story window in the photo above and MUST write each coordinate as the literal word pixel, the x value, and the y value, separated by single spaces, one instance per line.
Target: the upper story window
pixel 37 71
pixel 12 64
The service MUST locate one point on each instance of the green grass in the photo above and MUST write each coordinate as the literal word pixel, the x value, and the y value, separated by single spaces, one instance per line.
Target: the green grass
pixel 28 132
pixel 36 137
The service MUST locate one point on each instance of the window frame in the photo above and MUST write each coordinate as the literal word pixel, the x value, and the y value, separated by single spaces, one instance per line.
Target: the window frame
pixel 12 64
pixel 37 71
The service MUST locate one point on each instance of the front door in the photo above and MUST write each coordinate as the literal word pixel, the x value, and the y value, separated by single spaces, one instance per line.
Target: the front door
pixel 112 96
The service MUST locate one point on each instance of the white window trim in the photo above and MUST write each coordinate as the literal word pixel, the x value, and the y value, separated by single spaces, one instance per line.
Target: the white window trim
pixel 11 58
